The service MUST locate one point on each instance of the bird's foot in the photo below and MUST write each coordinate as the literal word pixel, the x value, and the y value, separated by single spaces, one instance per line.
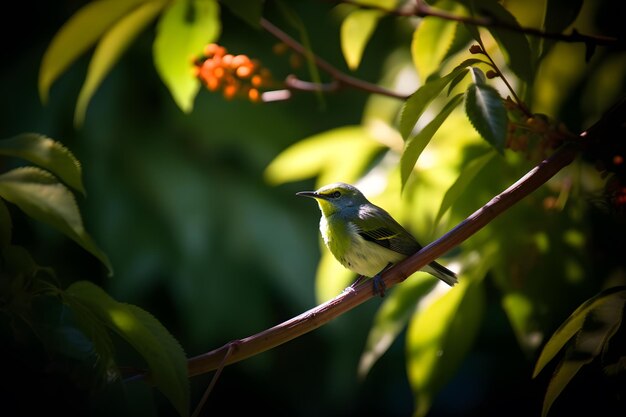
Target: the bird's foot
pixel 378 285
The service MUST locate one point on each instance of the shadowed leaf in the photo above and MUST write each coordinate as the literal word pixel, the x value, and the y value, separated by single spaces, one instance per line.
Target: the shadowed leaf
pixel 40 195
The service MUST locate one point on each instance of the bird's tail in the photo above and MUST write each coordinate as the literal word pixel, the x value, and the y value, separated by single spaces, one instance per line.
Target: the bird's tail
pixel 441 272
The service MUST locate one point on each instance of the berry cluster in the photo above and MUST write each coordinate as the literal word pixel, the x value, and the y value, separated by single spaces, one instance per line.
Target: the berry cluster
pixel 234 75
pixel 536 135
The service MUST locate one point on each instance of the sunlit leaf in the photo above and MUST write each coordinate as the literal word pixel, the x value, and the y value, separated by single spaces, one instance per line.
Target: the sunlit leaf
pixel 40 195
pixel 432 39
pixel 392 317
pixel 356 30
pixel 467 174
pixel 415 105
pixel 165 357
pixel 112 45
pixel 77 35
pixel 414 146
pixel 183 30
pixel 438 338
pixel 485 109
pixel 46 153
pixel 250 11
pixel 324 154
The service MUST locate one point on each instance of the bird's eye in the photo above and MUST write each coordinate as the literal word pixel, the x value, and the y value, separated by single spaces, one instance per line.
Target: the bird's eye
pixel 336 194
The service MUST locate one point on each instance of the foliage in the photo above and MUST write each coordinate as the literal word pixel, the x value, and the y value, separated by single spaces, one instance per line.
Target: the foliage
pixel 194 207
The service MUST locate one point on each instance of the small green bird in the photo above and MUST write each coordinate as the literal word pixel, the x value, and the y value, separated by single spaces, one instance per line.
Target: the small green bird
pixel 364 237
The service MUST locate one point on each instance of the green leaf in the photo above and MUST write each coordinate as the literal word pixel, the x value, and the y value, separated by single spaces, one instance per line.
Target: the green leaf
pixel 559 14
pixel 250 11
pixel 415 105
pixel 513 43
pixel 183 30
pixel 111 47
pixel 574 324
pixel 392 317
pixel 432 39
pixel 438 338
pixel 324 154
pixel 162 352
pixel 40 195
pixel 590 328
pixel 46 153
pixel 467 174
pixel 356 30
pixel 414 146
pixel 485 110
pixel 76 36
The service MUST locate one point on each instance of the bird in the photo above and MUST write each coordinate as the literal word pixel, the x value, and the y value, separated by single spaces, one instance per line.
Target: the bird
pixel 364 237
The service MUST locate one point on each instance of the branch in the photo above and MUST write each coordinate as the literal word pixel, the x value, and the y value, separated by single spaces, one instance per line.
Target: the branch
pixel 421 9
pixel 341 79
pixel 312 319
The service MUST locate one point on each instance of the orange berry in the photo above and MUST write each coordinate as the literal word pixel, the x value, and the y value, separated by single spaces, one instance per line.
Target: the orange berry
pixel 212 83
pixel 244 71
pixel 618 160
pixel 230 91
pixel 227 60
pixel 253 95
pixel 240 60
pixel 210 49
pixel 218 72
pixel 256 81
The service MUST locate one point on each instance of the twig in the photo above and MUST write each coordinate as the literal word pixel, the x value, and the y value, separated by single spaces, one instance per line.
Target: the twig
pixel 421 9
pixel 342 79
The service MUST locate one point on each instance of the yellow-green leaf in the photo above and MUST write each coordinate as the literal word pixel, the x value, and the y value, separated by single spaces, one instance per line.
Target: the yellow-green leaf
pixel 40 195
pixel 324 154
pixel 438 338
pixel 392 317
pixel 79 34
pixel 468 172
pixel 183 29
pixel 111 47
pixel 46 153
pixel 432 39
pixel 356 30
pixel 162 352
pixel 414 146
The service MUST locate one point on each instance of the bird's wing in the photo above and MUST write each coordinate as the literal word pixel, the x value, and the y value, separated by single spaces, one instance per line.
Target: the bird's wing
pixel 379 227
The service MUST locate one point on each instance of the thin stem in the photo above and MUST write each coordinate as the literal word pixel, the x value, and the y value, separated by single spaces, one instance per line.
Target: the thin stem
pixel 422 9
pixel 341 78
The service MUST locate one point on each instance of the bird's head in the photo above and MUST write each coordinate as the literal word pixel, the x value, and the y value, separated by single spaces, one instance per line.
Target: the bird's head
pixel 335 197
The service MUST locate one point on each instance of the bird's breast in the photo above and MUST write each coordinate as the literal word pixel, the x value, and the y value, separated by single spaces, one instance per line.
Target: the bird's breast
pixel 352 250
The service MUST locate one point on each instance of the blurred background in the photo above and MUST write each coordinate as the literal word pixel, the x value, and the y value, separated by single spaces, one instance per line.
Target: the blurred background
pixel 200 239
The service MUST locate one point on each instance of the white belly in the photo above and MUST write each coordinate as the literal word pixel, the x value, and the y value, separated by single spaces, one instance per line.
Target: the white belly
pixel 359 255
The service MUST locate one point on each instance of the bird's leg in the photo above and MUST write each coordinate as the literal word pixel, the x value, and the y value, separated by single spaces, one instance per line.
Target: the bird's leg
pixel 378 285
pixel 357 281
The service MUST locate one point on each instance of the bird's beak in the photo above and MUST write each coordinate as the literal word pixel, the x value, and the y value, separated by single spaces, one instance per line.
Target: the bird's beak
pixel 311 194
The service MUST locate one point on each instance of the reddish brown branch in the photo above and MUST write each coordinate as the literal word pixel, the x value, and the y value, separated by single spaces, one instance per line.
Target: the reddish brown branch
pixel 340 78
pixel 320 315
